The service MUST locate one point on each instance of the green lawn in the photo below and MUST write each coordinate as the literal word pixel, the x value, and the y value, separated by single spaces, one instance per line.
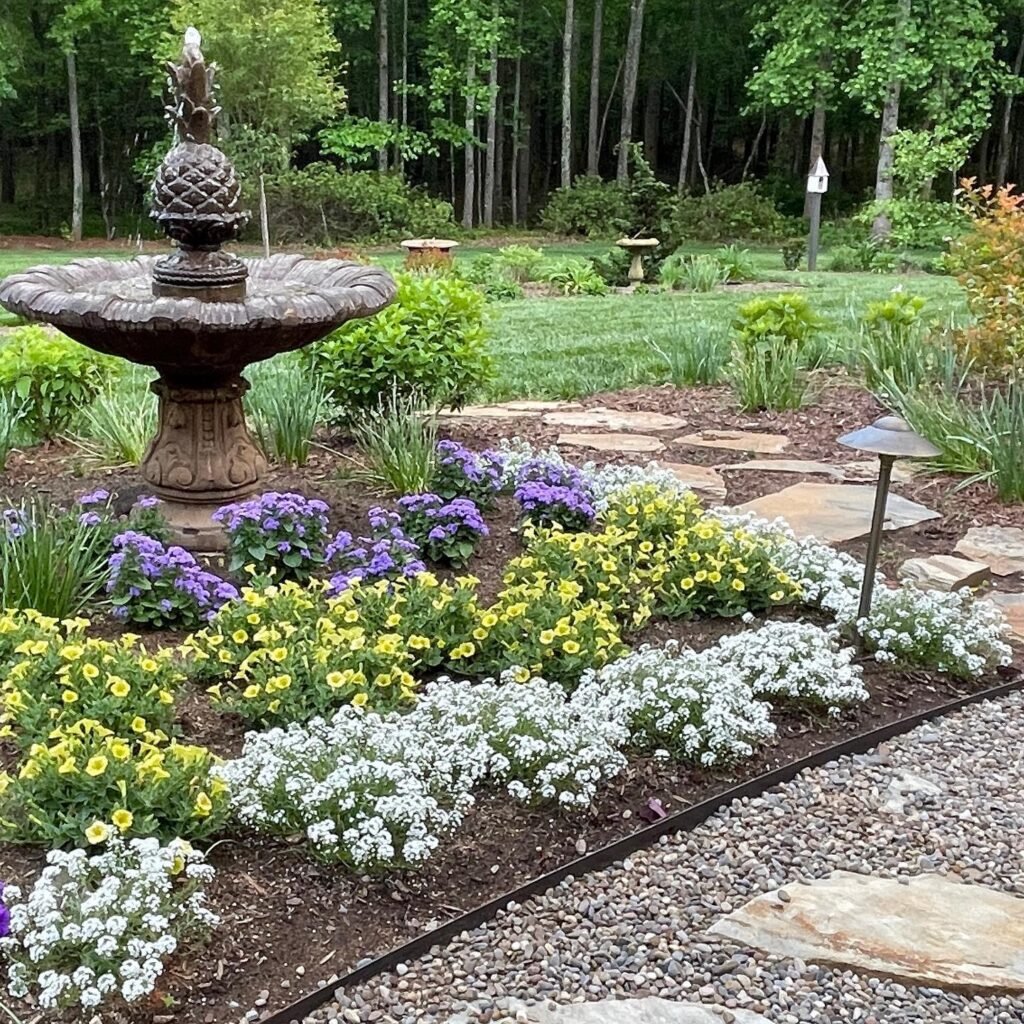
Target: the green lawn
pixel 565 347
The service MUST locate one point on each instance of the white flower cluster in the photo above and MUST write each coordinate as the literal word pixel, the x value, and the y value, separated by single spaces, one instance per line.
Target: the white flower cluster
pixel 795 662
pixel 116 917
pixel 679 703
pixel 368 790
pixel 524 736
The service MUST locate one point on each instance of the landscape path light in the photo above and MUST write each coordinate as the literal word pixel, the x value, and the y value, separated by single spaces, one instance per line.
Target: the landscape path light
pixel 890 438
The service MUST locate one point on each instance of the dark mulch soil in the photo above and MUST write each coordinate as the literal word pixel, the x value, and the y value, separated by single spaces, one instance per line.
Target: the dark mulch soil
pixel 283 913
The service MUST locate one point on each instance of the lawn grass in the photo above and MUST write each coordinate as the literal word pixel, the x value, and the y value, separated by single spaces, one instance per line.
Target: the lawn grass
pixel 567 347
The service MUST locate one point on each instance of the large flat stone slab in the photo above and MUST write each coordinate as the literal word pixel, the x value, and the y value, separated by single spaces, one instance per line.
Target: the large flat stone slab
pixel 705 480
pixel 807 466
pixel 626 443
pixel 932 930
pixel 944 572
pixel 867 469
pixel 835 512
pixel 613 419
pixel 1001 548
pixel 1012 607
pixel 736 441
pixel 648 1010
pixel 505 410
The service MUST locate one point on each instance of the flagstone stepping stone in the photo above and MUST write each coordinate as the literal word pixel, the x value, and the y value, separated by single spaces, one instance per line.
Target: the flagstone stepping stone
pixel 1012 607
pixel 835 512
pixel 505 410
pixel 944 572
pixel 703 479
pixel 648 1010
pixel 808 466
pixel 737 441
pixel 613 442
pixel 1001 548
pixel 613 419
pixel 932 930
pixel 867 469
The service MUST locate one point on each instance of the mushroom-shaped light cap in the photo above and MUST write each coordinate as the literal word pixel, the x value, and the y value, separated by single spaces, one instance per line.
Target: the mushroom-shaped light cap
pixel 890 435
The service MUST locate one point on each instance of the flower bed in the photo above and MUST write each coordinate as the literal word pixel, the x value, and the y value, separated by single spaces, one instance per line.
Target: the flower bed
pixel 627 646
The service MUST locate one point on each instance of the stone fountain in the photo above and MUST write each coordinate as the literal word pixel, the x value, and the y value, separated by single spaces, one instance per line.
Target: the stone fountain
pixel 199 315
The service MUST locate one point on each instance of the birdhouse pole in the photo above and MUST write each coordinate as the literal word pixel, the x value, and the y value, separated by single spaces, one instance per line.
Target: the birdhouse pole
pixel 817 186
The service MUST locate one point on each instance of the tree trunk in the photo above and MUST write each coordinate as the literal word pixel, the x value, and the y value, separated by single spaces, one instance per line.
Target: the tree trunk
pixel 101 173
pixel 881 227
pixel 76 149
pixel 399 155
pixel 8 182
pixel 817 143
pixel 593 146
pixel 684 157
pixel 499 163
pixel 492 137
pixel 629 78
pixel 1003 159
pixel 525 153
pixel 469 193
pixel 652 122
pixel 566 151
pixel 607 107
pixel 264 216
pixel 383 77
pixel 517 95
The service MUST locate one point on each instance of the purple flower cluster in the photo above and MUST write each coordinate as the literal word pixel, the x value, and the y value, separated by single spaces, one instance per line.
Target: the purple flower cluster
pixel 5 915
pixel 281 531
pixel 98 497
pixel 549 493
pixel 13 523
pixel 461 473
pixel 445 531
pixel 386 554
pixel 160 586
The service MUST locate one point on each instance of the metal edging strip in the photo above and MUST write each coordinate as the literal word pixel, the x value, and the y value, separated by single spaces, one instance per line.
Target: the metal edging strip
pixel 683 820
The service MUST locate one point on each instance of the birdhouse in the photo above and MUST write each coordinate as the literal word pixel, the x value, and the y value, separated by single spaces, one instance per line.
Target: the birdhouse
pixel 817 180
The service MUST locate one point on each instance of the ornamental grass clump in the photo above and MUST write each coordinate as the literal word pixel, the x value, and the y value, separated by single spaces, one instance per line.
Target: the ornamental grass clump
pixel 462 473
pixel 54 682
pixel 86 784
pixel 446 531
pixel 162 587
pixel 95 931
pixel 680 704
pixel 367 791
pixel 284 532
pixel 386 554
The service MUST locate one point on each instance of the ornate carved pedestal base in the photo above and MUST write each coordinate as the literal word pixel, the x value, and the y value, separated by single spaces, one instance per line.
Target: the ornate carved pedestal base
pixel 202 457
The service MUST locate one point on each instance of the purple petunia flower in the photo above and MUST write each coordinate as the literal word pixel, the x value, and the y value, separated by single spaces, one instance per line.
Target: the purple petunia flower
pixel 5 914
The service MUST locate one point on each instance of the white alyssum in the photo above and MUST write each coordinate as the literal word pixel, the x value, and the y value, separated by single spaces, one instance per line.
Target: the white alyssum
pixel 679 703
pixel 525 738
pixel 796 663
pixel 368 790
pixel 97 929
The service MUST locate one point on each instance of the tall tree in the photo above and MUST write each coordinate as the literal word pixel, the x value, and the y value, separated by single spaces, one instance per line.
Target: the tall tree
pixel 565 162
pixel 383 78
pixel 594 114
pixel 629 79
pixel 74 122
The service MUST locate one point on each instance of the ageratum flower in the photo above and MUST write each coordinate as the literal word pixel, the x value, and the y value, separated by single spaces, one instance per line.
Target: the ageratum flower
pixel 545 504
pixel 98 497
pixel 448 532
pixel 461 473
pixel 386 554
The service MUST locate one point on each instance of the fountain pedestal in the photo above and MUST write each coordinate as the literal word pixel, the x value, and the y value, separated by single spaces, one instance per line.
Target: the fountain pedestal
pixel 202 457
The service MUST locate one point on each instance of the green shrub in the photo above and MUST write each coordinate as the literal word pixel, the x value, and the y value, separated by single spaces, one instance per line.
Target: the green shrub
pixel 12 412
pixel 490 276
pixel 894 341
pixel 320 204
pixel 725 214
pixel 698 359
pixel 53 375
pixel 573 276
pixel 693 273
pixel 119 426
pixel 737 262
pixel 591 207
pixel 430 343
pixel 520 262
pixel 774 334
pixel 917 223
pixel 793 251
pixel 613 266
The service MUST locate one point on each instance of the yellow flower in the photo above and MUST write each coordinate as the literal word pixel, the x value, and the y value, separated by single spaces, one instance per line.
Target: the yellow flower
pixel 253 619
pixel 97 765
pixel 278 654
pixel 547 636
pixel 120 750
pixel 98 832
pixel 359 700
pixel 392 620
pixel 252 691
pixel 69 696
pixel 714 577
pixel 687 583
pixel 777 595
pixel 571 647
pixel 139 724
pixel 165 697
pixel 67 767
pixel 148 665
pixel 335 680
pixel 239 636
pixel 122 819
pixel 489 620
pixel 738 585
pixel 90 671
pixel 479 633
pixel 72 652
pixel 203 806
pixel 120 688
pixel 421 643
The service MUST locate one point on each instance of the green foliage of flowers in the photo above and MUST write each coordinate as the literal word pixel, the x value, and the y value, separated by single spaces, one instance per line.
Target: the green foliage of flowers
pixel 573 276
pixel 429 343
pixel 693 273
pixel 54 682
pixel 86 783
pixel 53 375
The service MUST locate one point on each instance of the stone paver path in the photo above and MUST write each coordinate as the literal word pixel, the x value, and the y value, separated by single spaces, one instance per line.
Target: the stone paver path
pixel 613 419
pixel 1001 548
pixel 736 441
pixel 610 442
pixel 944 572
pixel 647 926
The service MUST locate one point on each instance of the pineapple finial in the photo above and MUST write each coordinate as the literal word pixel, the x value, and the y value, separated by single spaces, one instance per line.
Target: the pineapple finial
pixel 193 112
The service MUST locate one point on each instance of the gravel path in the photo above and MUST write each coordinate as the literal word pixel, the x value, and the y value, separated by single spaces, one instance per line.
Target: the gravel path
pixel 638 928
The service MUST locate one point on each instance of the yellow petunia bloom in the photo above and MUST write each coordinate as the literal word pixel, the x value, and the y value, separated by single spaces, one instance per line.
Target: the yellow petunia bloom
pixel 148 665
pixel 96 766
pixel 90 671
pixel 67 767
pixel 252 691
pixel 139 724
pixel 69 696
pixel 120 688
pixel 738 585
pixel 122 819
pixel 359 700
pixel 203 806
pixel 98 832
pixel 120 751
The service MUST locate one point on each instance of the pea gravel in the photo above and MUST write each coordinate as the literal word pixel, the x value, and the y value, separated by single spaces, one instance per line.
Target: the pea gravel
pixel 948 798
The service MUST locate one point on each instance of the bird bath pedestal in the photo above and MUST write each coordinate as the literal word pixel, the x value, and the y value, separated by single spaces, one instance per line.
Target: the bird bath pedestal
pixel 199 315
pixel 636 247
